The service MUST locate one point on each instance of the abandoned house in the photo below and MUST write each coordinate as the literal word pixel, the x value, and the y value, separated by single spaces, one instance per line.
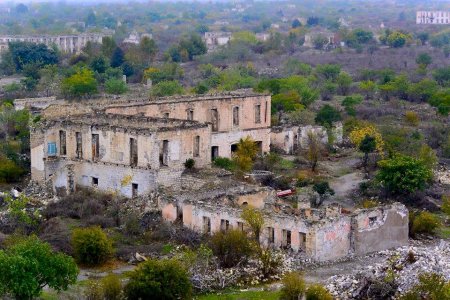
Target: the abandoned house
pixel 289 139
pixel 322 234
pixel 133 147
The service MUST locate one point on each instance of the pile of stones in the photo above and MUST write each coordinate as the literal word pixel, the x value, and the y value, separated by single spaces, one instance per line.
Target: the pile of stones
pixel 396 275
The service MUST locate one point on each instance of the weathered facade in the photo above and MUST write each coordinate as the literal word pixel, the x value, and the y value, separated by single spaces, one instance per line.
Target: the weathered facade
pixel 71 43
pixel 130 155
pixel 323 234
pixel 289 139
pixel 232 117
pixel 433 17
pixel 164 133
pixel 216 39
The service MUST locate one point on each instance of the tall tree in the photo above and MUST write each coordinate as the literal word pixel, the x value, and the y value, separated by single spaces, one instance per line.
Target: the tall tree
pixel 117 58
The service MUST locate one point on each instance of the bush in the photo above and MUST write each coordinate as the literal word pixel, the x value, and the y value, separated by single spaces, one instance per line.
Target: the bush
pixel 91 246
pixel 425 222
pixel 430 286
pixel 112 287
pixel 293 286
pixel 404 174
pixel 189 163
pixel 318 292
pixel 167 88
pixel 159 279
pixel 224 163
pixel 115 86
pixel 446 204
pixel 412 118
pixel 231 247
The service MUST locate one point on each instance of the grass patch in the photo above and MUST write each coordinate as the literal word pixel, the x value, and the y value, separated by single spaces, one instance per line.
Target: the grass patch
pixel 242 295
pixel 444 232
pixel 286 164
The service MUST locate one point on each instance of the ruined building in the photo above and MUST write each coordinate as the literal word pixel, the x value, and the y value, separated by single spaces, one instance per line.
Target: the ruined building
pixel 71 43
pixel 433 17
pixel 132 148
pixel 326 233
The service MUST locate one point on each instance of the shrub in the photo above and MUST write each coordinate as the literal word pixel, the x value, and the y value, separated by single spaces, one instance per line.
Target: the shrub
pixel 270 262
pixel 293 286
pixel 231 247
pixel 404 174
pixel 159 279
pixel 112 287
pixel 318 292
pixel 93 290
pixel 91 246
pixel 425 222
pixel 446 204
pixel 115 86
pixel 167 88
pixel 412 118
pixel 189 163
pixel 430 286
pixel 224 163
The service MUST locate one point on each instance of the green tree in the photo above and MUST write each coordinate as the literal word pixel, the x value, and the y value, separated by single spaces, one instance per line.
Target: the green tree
pixel 254 220
pixel 368 87
pixel 29 265
pixel 108 46
pixel 324 190
pixel 350 102
pixel 148 48
pixel 403 174
pixel 424 59
pixel 344 82
pixel 397 39
pixel 423 37
pixel 99 64
pixel 367 146
pixel 80 84
pixel 91 246
pixel 431 286
pixel 115 86
pixel 327 115
pixel 319 41
pixel 49 80
pixel 442 76
pixel 296 23
pixel 25 53
pixel 159 279
pixel 117 58
pixel 328 71
pixel 167 88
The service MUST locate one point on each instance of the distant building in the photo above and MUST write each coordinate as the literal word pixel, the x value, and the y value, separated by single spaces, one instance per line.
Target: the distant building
pixel 216 39
pixel 135 38
pixel 262 37
pixel 433 17
pixel 71 43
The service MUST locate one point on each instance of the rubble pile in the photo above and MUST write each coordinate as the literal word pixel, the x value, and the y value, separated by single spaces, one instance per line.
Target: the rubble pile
pixel 397 274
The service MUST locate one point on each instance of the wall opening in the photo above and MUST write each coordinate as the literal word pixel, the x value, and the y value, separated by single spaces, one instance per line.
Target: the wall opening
pixel 190 114
pixel 166 115
pixel 372 220
pixel 265 113
pixel 259 146
pixel 215 119
pixel 224 225
pixel 234 148
pixel 236 116
pixel 164 153
pixel 134 190
pixel 270 235
pixel 214 152
pixel 302 241
pixel 240 226
pixel 206 225
pixel 95 146
pixel 257 113
pixel 133 152
pixel 196 152
pixel 286 238
pixel 62 143
pixel 79 145
pixel 94 181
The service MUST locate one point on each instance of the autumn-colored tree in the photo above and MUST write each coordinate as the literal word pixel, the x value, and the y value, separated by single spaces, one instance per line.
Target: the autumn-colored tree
pixel 254 219
pixel 358 134
pixel 245 154
pixel 314 150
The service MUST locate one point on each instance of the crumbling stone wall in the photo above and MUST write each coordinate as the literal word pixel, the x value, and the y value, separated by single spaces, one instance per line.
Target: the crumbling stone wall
pixel 200 109
pixel 290 138
pixel 329 237
pixel 36 103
